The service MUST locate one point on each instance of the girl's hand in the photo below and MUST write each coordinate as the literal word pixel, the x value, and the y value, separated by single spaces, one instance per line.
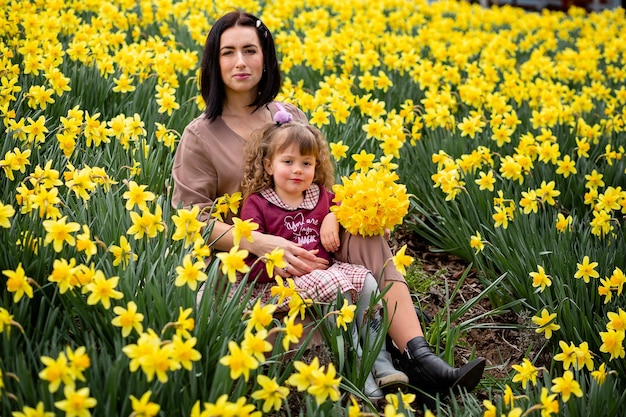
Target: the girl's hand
pixel 329 233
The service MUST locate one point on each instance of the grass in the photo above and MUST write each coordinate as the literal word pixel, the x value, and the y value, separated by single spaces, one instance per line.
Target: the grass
pixel 419 280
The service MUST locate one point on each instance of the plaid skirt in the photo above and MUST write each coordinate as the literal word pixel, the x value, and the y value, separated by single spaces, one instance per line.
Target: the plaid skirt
pixel 321 285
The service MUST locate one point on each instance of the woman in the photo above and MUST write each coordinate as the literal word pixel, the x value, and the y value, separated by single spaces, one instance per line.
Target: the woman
pixel 240 79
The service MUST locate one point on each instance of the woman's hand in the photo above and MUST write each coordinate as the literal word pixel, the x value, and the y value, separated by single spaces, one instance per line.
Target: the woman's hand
pixel 299 261
pixel 300 265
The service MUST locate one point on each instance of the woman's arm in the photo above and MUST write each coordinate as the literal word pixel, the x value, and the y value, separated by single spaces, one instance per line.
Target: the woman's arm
pixel 301 261
pixel 194 174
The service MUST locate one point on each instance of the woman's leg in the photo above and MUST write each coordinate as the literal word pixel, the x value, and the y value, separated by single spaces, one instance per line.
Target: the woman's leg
pixel 404 324
pixel 426 370
pixel 374 253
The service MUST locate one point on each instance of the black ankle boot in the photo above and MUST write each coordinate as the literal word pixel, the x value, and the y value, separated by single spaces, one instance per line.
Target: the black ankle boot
pixel 432 374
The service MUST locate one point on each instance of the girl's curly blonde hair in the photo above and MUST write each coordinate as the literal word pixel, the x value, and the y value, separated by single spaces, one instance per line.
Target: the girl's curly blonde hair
pixel 264 145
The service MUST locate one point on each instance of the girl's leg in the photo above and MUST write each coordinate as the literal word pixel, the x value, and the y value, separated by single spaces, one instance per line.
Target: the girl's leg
pixel 371 389
pixel 386 374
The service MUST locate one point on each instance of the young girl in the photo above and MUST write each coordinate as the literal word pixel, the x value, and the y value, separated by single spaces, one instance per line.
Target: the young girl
pixel 286 181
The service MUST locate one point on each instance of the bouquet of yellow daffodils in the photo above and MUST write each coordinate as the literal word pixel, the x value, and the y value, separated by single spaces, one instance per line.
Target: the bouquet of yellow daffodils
pixel 370 202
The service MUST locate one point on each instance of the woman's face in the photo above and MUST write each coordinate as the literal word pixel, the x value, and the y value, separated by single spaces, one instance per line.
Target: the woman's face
pixel 241 59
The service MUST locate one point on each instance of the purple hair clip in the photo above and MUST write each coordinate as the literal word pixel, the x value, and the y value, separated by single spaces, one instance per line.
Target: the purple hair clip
pixel 282 115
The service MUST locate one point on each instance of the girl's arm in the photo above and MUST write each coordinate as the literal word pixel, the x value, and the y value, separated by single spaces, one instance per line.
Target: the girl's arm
pixel 329 232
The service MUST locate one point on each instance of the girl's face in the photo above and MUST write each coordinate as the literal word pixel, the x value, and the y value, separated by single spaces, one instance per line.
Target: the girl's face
pixel 293 173
pixel 241 59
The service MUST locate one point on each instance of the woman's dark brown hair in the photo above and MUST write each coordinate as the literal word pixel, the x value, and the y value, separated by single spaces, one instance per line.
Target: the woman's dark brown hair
pixel 211 83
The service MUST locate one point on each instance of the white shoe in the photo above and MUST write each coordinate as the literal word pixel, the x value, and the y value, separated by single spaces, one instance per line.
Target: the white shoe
pixel 371 389
pixel 387 376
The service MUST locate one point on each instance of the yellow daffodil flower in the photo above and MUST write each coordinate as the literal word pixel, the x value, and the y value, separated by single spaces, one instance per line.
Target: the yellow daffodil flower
pixel 586 270
pixel 540 278
pixel 183 351
pixel 242 229
pixel 6 212
pixel 476 243
pixel 292 330
pixel 525 372
pixel 76 403
pixel 122 254
pixel 56 371
pixel 38 411
pixel 546 323
pixel 184 323
pixel 18 283
pixel 79 361
pixel 143 407
pixel 281 290
pixel 325 385
pixel 338 150
pixel 617 320
pixel 233 261
pixel 271 393
pixel 303 376
pixel 103 290
pixel 59 232
pixel 345 315
pixel 490 409
pixel 128 318
pixel 239 362
pixel 274 260
pixel 190 273
pixel 599 375
pixel 136 195
pixel 613 343
pixel 401 260
pixel 85 244
pixel 563 223
pixel 261 316
pixel 256 344
pixel 566 386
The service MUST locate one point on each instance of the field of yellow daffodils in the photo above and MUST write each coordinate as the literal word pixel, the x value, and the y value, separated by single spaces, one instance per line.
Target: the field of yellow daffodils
pixel 495 133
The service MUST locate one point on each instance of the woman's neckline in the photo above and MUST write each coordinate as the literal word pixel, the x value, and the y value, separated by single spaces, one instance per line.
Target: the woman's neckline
pixel 221 118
